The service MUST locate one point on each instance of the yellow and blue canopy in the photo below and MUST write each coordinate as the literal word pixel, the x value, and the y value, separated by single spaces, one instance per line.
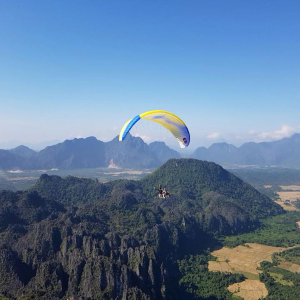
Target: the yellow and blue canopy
pixel 164 118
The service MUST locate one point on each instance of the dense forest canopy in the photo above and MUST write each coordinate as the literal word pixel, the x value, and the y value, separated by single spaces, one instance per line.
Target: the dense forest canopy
pixel 66 232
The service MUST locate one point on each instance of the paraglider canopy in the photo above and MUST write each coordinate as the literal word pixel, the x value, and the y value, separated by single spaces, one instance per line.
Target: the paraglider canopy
pixel 170 121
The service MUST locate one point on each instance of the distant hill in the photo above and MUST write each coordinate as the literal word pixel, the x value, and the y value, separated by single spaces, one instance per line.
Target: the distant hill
pixel 133 152
pixel 10 161
pixel 163 152
pixel 282 153
pixel 72 154
pixel 75 237
pixel 23 151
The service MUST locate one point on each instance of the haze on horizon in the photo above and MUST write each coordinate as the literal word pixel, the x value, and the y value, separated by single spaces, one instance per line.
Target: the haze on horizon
pixel 230 70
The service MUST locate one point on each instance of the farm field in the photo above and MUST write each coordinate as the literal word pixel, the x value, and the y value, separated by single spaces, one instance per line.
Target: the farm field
pixel 292 196
pixel 289 266
pixel 243 259
pixel 278 271
pixel 286 207
pixel 290 187
pixel 249 289
pixel 288 198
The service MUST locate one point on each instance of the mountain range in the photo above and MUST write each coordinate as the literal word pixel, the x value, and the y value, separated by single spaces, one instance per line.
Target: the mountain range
pixel 282 153
pixel 77 238
pixel 134 153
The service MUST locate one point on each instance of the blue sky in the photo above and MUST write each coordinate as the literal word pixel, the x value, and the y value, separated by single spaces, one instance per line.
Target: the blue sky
pixel 229 69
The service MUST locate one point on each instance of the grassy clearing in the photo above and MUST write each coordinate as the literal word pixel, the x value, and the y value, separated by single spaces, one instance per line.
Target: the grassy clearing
pixel 289 260
pixel 287 207
pixel 291 187
pixel 236 297
pixel 293 196
pixel 200 283
pixel 247 274
pixel 221 266
pixel 290 266
pixel 287 199
pixel 281 231
pixel 249 289
pixel 278 278
pixel 242 259
pixel 246 260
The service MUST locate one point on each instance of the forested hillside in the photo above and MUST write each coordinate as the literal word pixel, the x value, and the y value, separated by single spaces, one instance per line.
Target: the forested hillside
pixel 73 237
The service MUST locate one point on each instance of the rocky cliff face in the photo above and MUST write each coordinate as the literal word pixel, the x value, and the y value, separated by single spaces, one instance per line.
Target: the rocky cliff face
pixel 75 238
pixel 78 253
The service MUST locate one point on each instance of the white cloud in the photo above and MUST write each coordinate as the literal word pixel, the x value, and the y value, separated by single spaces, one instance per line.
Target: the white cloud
pixel 145 138
pixel 240 137
pixel 252 132
pixel 285 131
pixel 213 135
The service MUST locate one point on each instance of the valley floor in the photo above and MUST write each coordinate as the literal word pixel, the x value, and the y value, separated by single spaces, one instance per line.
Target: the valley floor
pixel 23 180
pixel 246 260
